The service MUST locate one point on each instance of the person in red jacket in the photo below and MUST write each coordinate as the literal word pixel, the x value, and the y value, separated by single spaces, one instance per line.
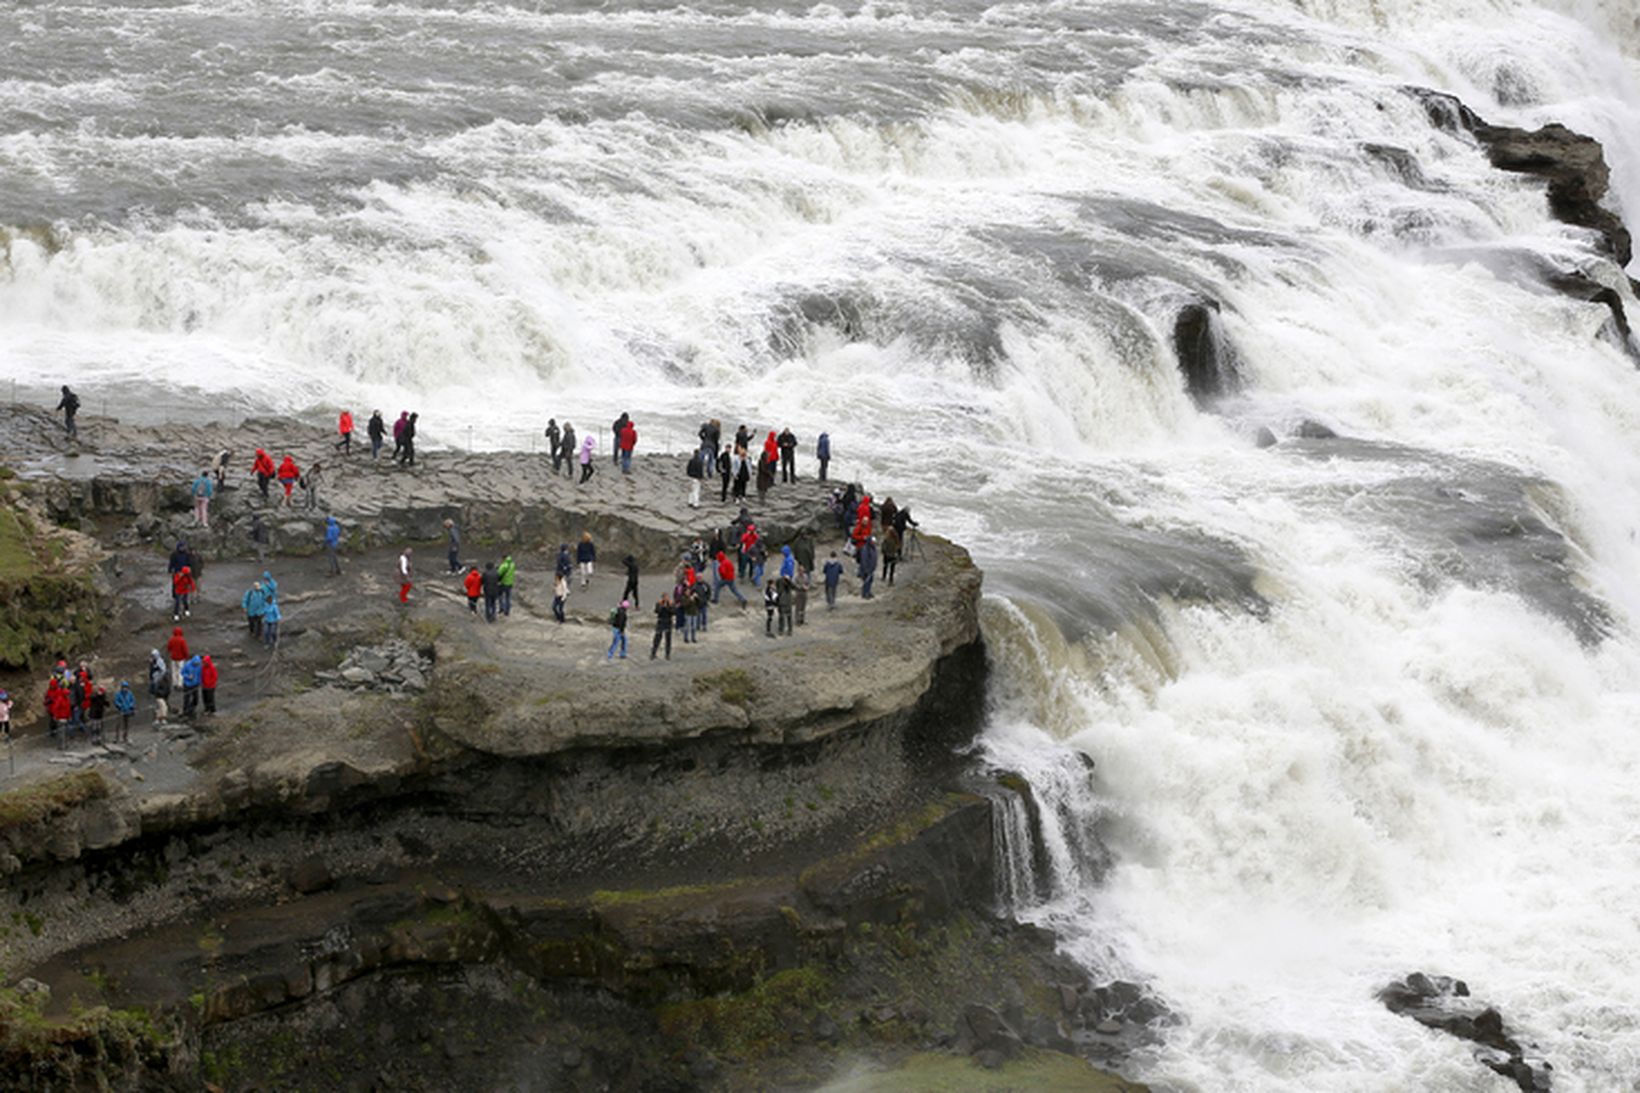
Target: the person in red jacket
pixel 627 441
pixel 207 683
pixel 59 708
pixel 344 426
pixel 474 584
pixel 289 473
pixel 183 586
pixel 262 468
pixel 177 650
pixel 725 579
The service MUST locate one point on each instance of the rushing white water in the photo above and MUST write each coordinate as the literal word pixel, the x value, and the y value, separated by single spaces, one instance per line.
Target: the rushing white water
pixel 1348 705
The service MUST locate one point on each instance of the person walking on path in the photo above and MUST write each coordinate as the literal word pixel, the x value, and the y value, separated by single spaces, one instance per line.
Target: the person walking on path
pixel 586 555
pixel 453 535
pixel 271 616
pixel 177 650
pixel 822 453
pixel 262 468
pixel 289 472
pixel 157 671
pixel 344 426
pixel 310 482
pixel 832 575
pixel 725 470
pixel 560 595
pixel 588 445
pixel 565 565
pixel 617 428
pixel 398 434
pixel 507 572
pixel 771 604
pixel 407 457
pixel 255 603
pixel 725 578
pixel 630 592
pixel 787 442
pixel 617 630
pixel 333 542
pixel 69 405
pixel 473 582
pixel 376 430
pixel 663 627
pixel 868 566
pixel 207 684
pixel 555 437
pixel 404 574
pixel 182 589
pixel 491 585
pixel 190 686
pixel 203 490
pixel 567 450
pixel 125 704
pixel 258 536
pixel 628 441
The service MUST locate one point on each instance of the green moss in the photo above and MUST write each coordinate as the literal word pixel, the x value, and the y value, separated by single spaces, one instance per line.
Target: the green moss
pixel 931 1072
pixel 632 896
pixel 39 801
pixel 17 561
pixel 44 607
pixel 732 685
pixel 751 1023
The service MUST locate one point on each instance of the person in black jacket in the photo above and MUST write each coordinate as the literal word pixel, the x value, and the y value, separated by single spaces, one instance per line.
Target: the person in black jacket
pixel 567 450
pixel 725 470
pixel 630 592
pixel 787 442
pixel 555 444
pixel 663 627
pixel 491 584
pixel 616 426
pixel 377 431
pixel 70 405
pixel 408 438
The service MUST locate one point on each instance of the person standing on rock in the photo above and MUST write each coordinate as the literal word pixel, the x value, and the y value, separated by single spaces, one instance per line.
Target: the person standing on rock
pixel 58 710
pixel 868 566
pixel 743 477
pixel 473 583
pixel 203 491
pixel 891 555
pixel 771 604
pixel 630 592
pixel 398 434
pixel 255 603
pixel 69 405
pixel 617 630
pixel 560 594
pixel 617 428
pixel 177 650
pixel 333 542
pixel 259 538
pixel 695 469
pixel 800 592
pixel 586 556
pixel 785 600
pixel 725 471
pixel 344 427
pixel 207 684
pixel 403 574
pixel 453 535
pixel 663 626
pixel 628 442
pixel 565 565
pixel 162 701
pixel 182 589
pixel 787 442
pixel 507 572
pixel 588 445
pixel 567 450
pixel 219 467
pixel 156 671
pixel 407 457
pixel 125 704
pixel 765 475
pixel 262 468
pixel 822 453
pixel 555 437
pixel 190 686
pixel 98 712
pixel 271 617
pixel 270 587
pixel 725 578
pixel 833 576
pixel 686 607
pixel 491 586
pixel 289 474
pixel 376 430
pixel 311 482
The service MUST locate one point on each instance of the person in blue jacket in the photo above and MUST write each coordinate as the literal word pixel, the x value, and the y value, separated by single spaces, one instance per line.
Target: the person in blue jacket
pixel 587 556
pixel 788 564
pixel 333 540
pixel 270 587
pixel 191 670
pixel 125 702
pixel 270 622
pixel 255 602
pixel 833 573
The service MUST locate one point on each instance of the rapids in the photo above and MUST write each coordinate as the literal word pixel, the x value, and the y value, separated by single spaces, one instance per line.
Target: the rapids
pixel 1355 708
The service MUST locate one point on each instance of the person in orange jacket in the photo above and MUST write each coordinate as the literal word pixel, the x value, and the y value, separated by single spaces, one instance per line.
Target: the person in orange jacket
pixel 474 584
pixel 183 586
pixel 262 468
pixel 344 426
pixel 289 474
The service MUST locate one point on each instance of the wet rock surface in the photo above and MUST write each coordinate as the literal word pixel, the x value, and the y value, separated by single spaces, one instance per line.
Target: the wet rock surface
pixel 1444 1004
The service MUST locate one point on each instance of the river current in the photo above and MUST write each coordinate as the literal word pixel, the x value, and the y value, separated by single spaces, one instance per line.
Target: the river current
pixel 1355 707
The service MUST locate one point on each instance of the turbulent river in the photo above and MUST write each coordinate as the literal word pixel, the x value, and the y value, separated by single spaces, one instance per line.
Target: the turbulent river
pixel 1355 707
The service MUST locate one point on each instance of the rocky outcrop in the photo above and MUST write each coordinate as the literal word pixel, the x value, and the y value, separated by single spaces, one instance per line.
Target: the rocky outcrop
pixel 1442 1003
pixel 1206 357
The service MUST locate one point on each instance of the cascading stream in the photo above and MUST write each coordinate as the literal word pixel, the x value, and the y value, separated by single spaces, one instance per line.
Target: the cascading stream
pixel 1355 707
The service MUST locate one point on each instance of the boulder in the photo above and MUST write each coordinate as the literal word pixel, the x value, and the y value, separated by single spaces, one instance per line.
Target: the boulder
pixel 1442 1003
pixel 1206 357
pixel 311 875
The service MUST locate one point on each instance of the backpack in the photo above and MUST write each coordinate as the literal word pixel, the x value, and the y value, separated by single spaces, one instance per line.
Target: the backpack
pixel 614 613
pixel 694 468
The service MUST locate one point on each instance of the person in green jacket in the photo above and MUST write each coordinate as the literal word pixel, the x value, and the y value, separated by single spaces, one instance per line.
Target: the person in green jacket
pixel 508 572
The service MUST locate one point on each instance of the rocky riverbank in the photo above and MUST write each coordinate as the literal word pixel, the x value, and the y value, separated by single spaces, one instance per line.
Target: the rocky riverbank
pixel 414 850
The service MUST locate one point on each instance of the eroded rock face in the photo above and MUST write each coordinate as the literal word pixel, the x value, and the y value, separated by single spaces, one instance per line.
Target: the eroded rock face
pixel 1206 357
pixel 1444 1004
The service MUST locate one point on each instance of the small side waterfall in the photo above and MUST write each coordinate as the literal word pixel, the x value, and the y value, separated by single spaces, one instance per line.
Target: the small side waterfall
pixel 1044 820
pixel 1016 846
